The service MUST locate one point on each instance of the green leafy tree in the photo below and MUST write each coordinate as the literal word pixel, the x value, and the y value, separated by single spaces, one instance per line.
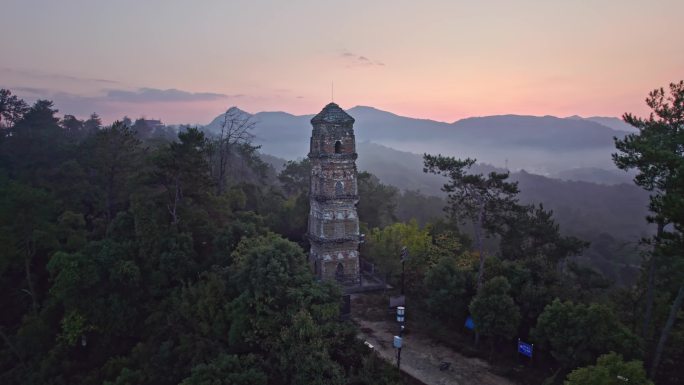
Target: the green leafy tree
pixel 103 287
pixel 228 370
pixel 292 219
pixel 113 159
pixel 483 200
pixel 264 268
pixel 93 124
pixel 306 359
pixel 670 370
pixel 446 286
pixel 377 201
pixel 295 177
pixel 531 231
pixel 383 247
pixel 375 371
pixel 283 314
pixel 610 369
pixel 583 284
pixel 73 126
pixel 182 170
pixel 71 231
pixel 576 334
pixel 27 225
pixel 412 204
pixel 656 151
pixel 11 108
pixel 35 144
pixel 494 312
pixel 72 273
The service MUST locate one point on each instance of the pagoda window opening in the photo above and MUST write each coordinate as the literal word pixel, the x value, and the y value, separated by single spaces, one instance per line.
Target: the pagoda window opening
pixel 339 272
pixel 338 147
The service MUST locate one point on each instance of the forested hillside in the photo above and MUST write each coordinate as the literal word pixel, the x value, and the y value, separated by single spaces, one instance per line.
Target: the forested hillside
pixel 609 217
pixel 129 258
pixel 143 255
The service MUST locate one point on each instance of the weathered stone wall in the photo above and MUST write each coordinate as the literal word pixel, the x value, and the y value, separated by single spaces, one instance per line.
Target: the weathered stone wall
pixel 334 176
pixel 333 221
pixel 326 259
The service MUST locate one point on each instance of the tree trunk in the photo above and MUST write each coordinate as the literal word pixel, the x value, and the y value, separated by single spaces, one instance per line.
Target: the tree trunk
pixel 650 289
pixel 27 268
pixel 108 212
pixel 173 210
pixel 11 346
pixel 221 178
pixel 674 309
pixel 478 240
pixel 480 272
pixel 650 294
pixel 224 155
pixel 110 194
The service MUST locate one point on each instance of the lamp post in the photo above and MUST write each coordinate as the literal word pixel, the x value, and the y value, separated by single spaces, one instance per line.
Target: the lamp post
pixel 404 257
pixel 362 240
pixel 401 311
pixel 397 345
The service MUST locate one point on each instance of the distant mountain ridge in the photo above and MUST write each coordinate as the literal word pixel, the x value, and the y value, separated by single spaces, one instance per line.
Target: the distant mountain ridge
pixel 612 122
pixel 542 144
pixel 624 206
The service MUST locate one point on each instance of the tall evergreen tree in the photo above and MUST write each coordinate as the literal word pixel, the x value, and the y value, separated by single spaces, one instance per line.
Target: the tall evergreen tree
pixel 657 152
pixel 483 200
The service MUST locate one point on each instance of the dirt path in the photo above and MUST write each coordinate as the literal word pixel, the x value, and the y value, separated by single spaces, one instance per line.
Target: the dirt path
pixel 421 357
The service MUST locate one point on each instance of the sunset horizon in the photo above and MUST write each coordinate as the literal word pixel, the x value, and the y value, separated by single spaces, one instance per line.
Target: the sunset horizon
pixel 185 63
pixel 273 192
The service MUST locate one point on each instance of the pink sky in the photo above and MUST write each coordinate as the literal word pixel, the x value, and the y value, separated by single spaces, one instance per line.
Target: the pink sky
pixel 442 60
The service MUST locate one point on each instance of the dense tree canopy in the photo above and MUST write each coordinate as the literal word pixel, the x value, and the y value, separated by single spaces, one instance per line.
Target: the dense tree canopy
pixel 123 263
pixel 139 253
pixel 494 312
pixel 609 369
pixel 576 333
pixel 657 152
pixel 482 200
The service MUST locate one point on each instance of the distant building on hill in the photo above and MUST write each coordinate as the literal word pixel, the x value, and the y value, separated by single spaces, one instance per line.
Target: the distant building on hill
pixel 153 123
pixel 145 127
pixel 333 229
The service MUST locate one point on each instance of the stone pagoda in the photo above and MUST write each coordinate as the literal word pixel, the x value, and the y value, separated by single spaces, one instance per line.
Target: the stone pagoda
pixel 333 222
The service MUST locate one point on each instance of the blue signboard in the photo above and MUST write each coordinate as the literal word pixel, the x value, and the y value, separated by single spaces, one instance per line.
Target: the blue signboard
pixel 397 342
pixel 469 324
pixel 525 349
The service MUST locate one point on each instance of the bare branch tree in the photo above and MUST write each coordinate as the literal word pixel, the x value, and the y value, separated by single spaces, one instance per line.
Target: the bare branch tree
pixel 236 130
pixel 11 108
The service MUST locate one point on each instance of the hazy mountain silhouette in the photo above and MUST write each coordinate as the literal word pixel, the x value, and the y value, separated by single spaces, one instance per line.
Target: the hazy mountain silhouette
pixel 614 123
pixel 543 144
pixel 582 208
pixel 596 175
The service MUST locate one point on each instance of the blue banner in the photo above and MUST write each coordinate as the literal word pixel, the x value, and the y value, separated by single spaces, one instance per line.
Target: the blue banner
pixel 525 349
pixel 469 324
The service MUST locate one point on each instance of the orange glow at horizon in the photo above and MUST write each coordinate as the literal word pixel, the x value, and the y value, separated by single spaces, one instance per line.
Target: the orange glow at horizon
pixel 441 60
